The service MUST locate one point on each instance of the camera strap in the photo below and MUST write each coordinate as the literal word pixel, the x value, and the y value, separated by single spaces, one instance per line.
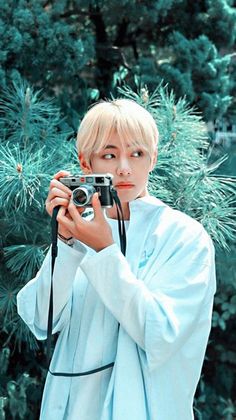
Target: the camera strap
pixel 54 251
pixel 121 222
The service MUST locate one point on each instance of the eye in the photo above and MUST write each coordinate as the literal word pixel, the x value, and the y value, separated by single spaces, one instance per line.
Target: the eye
pixel 108 156
pixel 137 153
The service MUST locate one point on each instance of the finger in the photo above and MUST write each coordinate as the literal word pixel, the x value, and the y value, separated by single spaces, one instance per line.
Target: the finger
pixel 57 201
pixel 61 212
pixel 57 192
pixel 76 212
pixel 65 213
pixel 64 219
pixel 54 183
pixel 97 208
pixel 61 174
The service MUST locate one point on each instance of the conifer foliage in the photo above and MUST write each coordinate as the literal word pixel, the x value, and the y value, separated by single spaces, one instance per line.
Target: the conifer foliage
pixel 34 144
pixel 79 50
pixel 32 149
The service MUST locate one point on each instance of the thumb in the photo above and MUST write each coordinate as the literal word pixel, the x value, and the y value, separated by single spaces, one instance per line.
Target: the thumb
pixel 97 208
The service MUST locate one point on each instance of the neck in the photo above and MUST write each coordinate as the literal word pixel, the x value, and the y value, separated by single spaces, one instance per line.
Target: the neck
pixel 112 212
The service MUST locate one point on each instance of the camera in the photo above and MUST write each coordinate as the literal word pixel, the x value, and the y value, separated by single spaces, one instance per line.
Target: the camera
pixel 84 186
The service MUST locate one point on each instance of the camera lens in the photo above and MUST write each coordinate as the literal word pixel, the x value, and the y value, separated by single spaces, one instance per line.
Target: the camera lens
pixel 82 195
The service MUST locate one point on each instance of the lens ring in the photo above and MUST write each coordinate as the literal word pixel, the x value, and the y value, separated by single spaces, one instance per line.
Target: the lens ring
pixel 82 195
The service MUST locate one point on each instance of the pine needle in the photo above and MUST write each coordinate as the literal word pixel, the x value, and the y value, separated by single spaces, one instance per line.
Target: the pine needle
pixel 24 260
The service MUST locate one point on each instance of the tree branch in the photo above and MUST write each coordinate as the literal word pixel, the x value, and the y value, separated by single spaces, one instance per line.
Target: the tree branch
pixel 121 32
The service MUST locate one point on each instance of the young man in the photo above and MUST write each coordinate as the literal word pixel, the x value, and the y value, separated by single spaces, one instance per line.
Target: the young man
pixel 148 311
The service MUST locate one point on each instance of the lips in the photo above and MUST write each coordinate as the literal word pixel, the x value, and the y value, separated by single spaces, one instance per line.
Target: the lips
pixel 124 185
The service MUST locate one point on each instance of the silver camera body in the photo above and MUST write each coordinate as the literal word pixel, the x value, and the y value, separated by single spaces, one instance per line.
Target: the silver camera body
pixel 84 186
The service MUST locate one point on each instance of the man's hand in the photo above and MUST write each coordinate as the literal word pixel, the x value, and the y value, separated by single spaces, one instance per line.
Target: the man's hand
pixel 60 195
pixel 95 233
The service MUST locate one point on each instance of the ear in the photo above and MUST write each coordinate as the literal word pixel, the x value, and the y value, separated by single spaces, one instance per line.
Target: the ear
pixel 153 161
pixel 84 164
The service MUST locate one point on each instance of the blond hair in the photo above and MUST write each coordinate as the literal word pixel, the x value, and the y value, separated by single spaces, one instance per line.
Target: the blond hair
pixel 133 124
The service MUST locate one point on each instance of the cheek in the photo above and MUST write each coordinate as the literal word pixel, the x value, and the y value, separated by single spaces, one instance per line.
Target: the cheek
pixel 145 168
pixel 96 164
pixel 103 164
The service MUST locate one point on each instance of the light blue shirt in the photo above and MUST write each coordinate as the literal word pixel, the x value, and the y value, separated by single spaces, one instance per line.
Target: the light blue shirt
pixel 161 294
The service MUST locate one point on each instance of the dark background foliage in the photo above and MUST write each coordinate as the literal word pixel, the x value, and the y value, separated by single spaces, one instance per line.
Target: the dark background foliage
pixel 78 51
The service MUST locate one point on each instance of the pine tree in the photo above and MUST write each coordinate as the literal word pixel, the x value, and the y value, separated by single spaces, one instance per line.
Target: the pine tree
pixel 32 149
pixel 80 50
pixel 34 144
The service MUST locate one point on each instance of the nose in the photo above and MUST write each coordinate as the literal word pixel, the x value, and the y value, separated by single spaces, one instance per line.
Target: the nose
pixel 124 168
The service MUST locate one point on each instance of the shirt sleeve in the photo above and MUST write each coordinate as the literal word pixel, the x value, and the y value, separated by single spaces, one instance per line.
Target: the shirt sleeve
pixel 33 299
pixel 162 308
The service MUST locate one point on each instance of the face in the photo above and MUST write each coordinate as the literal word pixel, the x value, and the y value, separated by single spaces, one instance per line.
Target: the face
pixel 130 166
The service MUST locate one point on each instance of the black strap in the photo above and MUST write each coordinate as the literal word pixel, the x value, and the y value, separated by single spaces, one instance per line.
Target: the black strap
pixel 88 372
pixel 121 222
pixel 54 251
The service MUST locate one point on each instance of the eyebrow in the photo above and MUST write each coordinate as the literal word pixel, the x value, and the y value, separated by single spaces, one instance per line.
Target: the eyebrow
pixel 112 146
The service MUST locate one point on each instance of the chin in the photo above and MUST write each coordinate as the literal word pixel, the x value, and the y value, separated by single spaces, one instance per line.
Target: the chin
pixel 126 196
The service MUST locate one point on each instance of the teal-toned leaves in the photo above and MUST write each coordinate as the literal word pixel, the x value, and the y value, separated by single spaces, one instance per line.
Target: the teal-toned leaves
pixel 185 175
pixel 24 260
pixel 8 292
pixel 4 360
pixel 3 403
pixel 22 176
pixel 27 118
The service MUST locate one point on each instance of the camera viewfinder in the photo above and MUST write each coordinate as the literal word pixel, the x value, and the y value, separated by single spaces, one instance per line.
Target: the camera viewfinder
pixel 99 179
